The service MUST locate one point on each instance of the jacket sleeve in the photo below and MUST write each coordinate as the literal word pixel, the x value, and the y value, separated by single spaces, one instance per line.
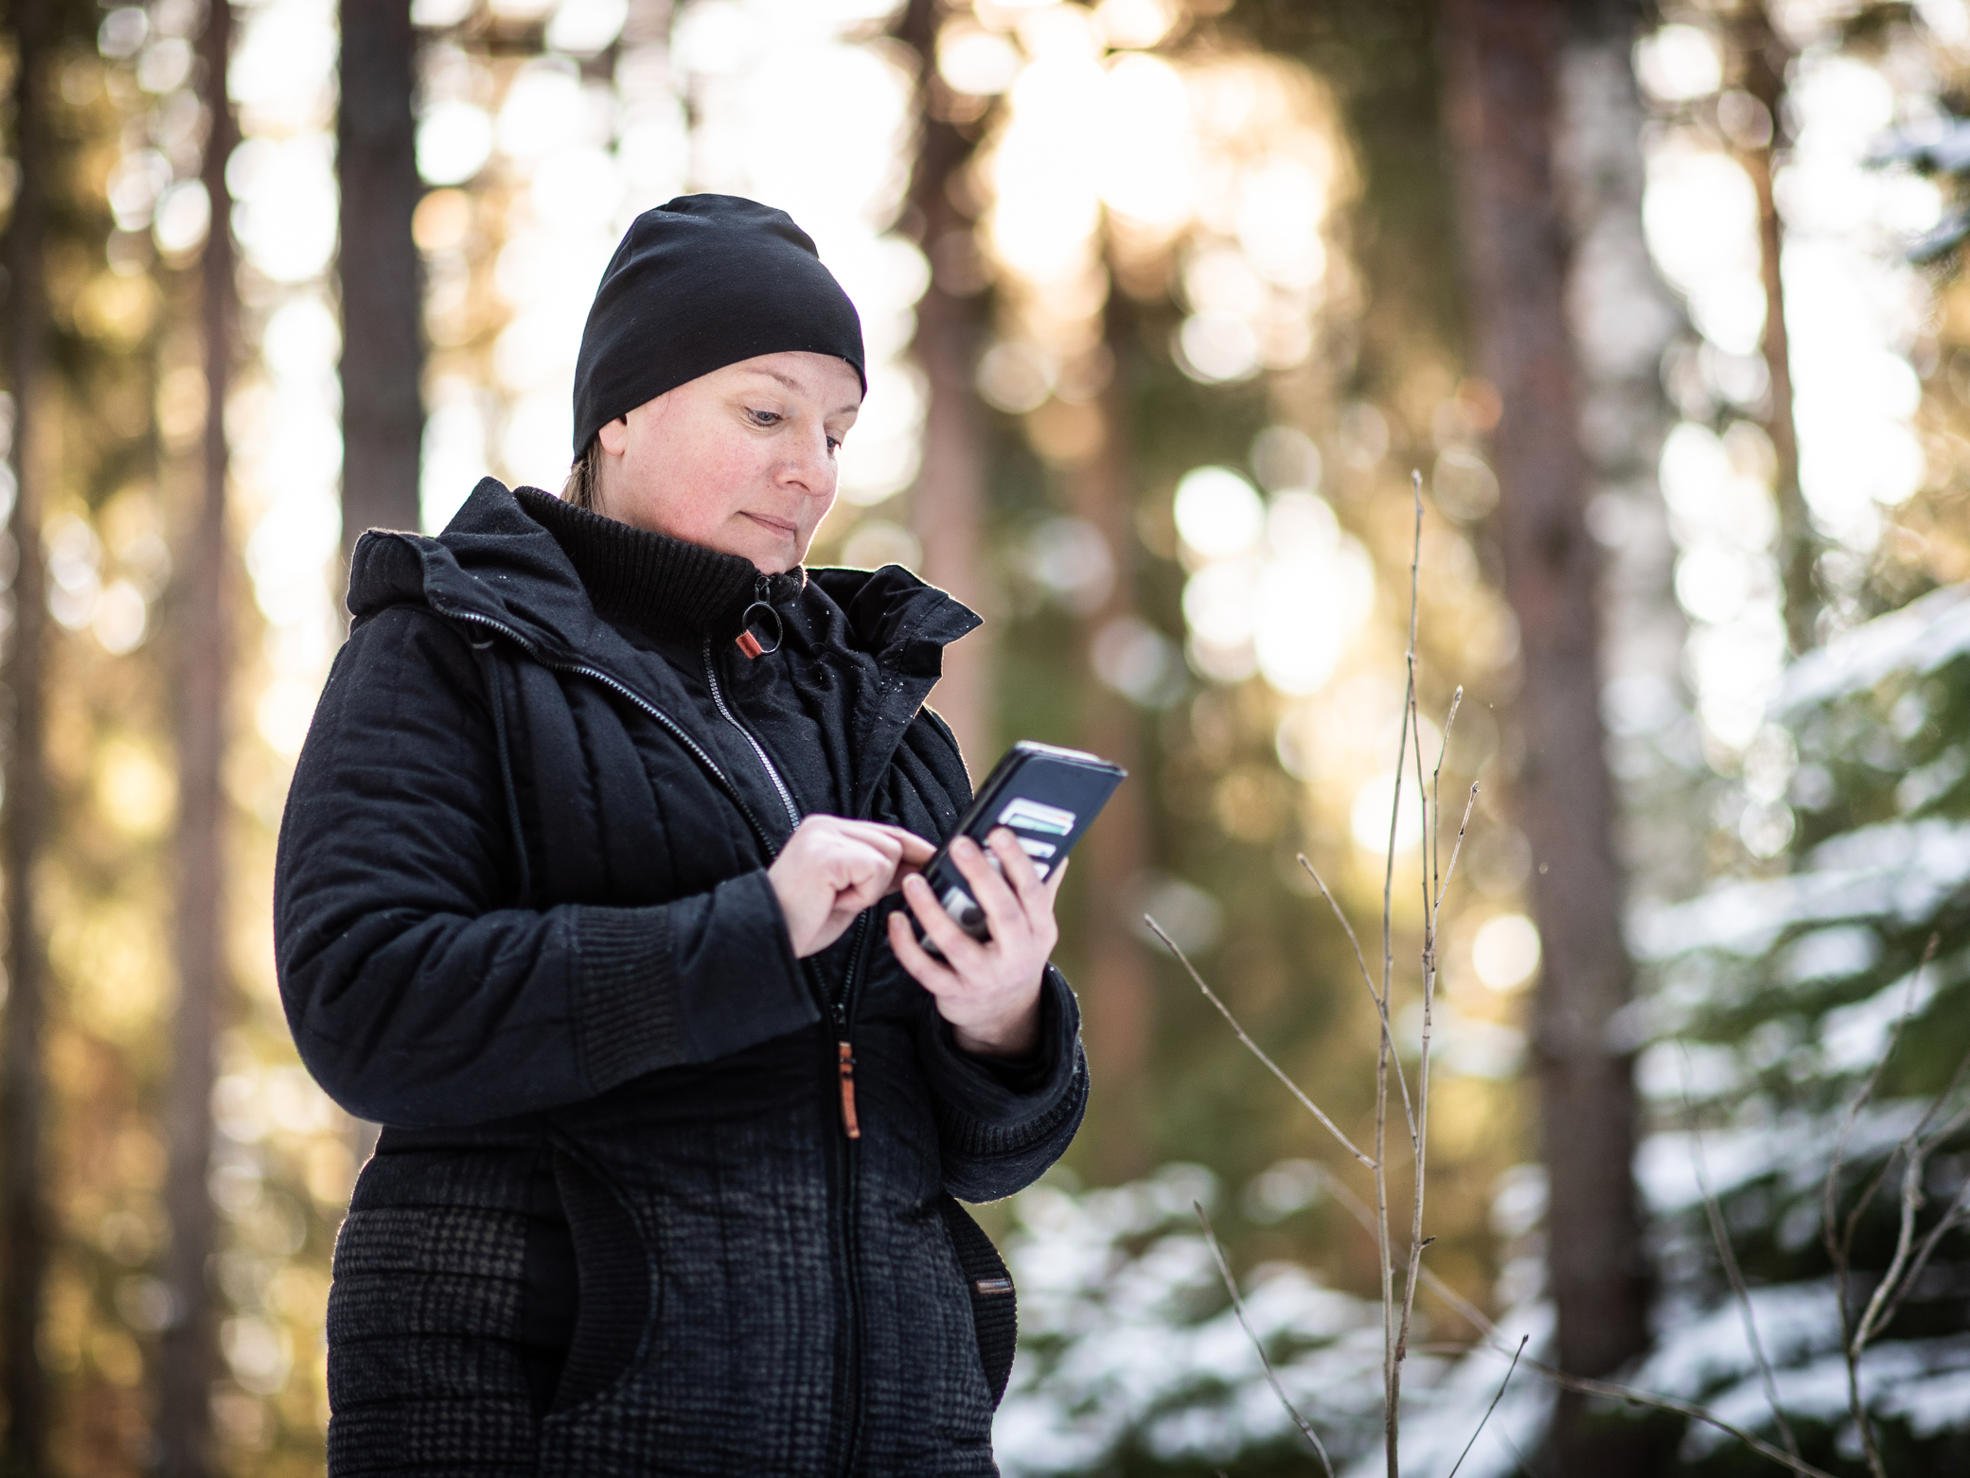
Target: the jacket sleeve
pixel 1000 1124
pixel 415 995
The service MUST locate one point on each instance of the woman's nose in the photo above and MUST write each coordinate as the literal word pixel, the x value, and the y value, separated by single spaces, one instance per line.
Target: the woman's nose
pixel 810 465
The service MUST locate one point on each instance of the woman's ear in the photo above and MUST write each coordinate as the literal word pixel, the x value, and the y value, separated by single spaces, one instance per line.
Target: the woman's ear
pixel 614 436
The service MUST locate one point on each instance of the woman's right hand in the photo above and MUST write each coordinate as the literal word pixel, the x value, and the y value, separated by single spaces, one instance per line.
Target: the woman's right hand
pixel 832 868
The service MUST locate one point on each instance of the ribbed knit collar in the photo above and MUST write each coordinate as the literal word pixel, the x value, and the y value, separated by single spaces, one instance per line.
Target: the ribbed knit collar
pixel 654 582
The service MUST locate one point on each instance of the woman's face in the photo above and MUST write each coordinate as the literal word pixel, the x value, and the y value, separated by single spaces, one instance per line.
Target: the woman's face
pixel 741 460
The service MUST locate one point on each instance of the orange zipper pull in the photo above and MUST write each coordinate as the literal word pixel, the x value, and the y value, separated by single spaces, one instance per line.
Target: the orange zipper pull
pixel 850 1125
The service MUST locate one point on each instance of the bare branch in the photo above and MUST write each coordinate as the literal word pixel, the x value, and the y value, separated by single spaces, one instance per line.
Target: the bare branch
pixel 1257 1051
pixel 1238 1307
pixel 1402 739
pixel 1720 1234
pixel 1436 803
pixel 1492 1407
pixel 1392 1340
pixel 1915 1149
pixel 1911 1204
pixel 1840 1243
pixel 1616 1392
pixel 1457 847
pixel 1830 1194
pixel 1954 1216
pixel 1359 959
pixel 1493 1340
pixel 1381 1006
pixel 1694 1412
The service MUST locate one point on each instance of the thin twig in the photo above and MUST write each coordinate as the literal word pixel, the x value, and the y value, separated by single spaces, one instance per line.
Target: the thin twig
pixel 1457 847
pixel 1720 1234
pixel 1340 914
pixel 1381 1006
pixel 1910 1206
pixel 1419 1126
pixel 1416 1243
pixel 1616 1392
pixel 1384 1241
pixel 1831 1190
pixel 1695 1413
pixel 1492 1340
pixel 1357 1208
pixel 1840 1245
pixel 1238 1307
pixel 1915 1150
pixel 1257 1051
pixel 1439 881
pixel 1954 1216
pixel 1492 1407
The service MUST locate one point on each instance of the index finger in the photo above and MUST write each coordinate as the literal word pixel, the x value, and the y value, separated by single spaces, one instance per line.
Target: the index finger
pixel 915 849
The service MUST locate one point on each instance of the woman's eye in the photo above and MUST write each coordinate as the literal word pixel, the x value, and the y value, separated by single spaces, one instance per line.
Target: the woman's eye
pixel 764 418
pixel 834 444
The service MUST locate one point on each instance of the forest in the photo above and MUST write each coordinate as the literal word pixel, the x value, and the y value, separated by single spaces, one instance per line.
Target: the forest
pixel 1495 472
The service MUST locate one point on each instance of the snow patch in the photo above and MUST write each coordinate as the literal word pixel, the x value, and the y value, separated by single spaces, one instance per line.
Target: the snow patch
pixel 1920 637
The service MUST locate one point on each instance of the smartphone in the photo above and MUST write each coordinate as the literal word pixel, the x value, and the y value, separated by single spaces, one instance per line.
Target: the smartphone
pixel 1046 796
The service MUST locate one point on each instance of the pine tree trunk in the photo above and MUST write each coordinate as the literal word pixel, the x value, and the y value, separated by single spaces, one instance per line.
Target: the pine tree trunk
pixel 1765 58
pixel 188 1367
pixel 947 506
pixel 1624 320
pixel 23 1088
pixel 1503 63
pixel 1116 984
pixel 379 270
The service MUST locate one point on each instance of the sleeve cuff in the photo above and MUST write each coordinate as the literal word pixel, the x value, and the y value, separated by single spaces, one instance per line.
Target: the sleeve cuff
pixel 687 981
pixel 1008 1093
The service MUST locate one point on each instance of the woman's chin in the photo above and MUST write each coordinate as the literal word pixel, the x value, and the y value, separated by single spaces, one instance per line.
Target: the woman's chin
pixel 773 551
pixel 772 561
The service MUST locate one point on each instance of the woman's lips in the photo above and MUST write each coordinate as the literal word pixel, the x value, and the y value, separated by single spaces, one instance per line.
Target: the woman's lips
pixel 778 525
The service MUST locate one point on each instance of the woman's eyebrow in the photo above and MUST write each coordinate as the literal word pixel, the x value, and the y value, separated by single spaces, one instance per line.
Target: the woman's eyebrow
pixel 800 389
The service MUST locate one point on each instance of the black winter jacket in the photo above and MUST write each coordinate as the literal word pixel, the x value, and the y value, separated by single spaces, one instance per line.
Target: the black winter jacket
pixel 522 919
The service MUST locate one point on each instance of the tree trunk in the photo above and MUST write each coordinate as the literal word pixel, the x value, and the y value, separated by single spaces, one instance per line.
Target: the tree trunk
pixel 1624 321
pixel 1503 62
pixel 947 506
pixel 381 277
pixel 23 1090
pixel 189 1364
pixel 1765 58
pixel 1117 986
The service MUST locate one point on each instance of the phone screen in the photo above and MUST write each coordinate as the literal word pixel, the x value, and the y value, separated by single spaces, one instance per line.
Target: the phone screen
pixel 1046 796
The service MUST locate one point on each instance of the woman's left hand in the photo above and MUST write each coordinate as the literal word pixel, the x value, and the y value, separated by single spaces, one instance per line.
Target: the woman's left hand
pixel 990 991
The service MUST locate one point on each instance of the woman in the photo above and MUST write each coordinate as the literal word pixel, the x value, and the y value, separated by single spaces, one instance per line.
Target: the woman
pixel 592 889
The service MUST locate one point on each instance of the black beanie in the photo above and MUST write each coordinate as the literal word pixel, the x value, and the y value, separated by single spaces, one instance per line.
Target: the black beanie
pixel 699 283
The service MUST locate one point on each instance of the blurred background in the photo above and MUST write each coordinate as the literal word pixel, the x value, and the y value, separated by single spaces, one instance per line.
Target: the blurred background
pixel 1171 307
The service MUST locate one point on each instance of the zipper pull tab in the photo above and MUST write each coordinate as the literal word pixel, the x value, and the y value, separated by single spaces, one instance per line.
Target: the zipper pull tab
pixel 761 614
pixel 850 1125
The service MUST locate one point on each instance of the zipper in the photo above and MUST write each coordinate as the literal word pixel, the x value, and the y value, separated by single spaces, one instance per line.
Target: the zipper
pixel 616 684
pixel 718 699
pixel 840 1005
pixel 841 1010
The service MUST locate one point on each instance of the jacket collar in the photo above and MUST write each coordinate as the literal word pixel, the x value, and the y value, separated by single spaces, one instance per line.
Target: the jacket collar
pixel 497 562
pixel 654 583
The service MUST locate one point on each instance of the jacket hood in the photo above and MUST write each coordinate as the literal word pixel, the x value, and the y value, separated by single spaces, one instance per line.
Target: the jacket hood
pixel 494 562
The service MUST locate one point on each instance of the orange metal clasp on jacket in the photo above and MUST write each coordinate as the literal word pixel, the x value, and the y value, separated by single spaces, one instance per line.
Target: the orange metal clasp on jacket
pixel 850 1125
